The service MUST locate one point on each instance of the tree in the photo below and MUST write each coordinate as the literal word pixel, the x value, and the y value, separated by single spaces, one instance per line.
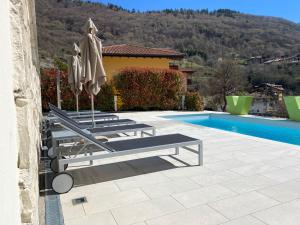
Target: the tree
pixel 228 79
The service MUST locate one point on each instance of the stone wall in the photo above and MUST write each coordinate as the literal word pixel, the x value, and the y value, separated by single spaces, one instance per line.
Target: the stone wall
pixel 22 104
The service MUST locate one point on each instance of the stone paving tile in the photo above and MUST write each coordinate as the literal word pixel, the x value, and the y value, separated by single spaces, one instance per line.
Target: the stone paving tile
pixel 224 165
pixel 201 215
pixel 106 202
pixel 103 218
pixel 141 180
pixel 247 220
pixel 243 204
pixel 284 162
pixel 140 212
pixel 212 158
pixel 283 175
pixel 255 157
pixel 71 211
pixel 101 173
pixel 253 169
pixel 90 190
pixel 247 184
pixel 233 164
pixel 215 177
pixel 152 164
pixel 283 192
pixel 173 160
pixel 203 195
pixel 170 187
pixel 292 152
pixel 285 214
pixel 185 172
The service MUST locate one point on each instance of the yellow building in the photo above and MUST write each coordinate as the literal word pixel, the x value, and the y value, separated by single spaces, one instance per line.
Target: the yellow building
pixel 118 57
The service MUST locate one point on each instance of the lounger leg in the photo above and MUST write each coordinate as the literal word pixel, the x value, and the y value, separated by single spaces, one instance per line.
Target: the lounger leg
pixel 154 132
pixel 176 150
pixel 91 161
pixel 60 166
pixel 54 146
pixel 135 133
pixel 142 133
pixel 200 153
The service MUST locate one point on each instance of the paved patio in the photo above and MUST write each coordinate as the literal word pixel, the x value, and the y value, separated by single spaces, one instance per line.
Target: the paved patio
pixel 244 181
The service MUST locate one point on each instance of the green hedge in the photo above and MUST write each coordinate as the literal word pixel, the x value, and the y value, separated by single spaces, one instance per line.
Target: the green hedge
pixel 149 89
pixel 194 101
pixel 103 101
pixel 137 89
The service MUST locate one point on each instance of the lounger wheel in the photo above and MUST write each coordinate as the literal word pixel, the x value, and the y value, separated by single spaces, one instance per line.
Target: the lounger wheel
pixel 54 165
pixel 62 183
pixel 51 154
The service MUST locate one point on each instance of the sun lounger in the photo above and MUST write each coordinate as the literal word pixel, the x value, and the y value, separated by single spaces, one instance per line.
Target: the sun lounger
pixel 81 125
pixel 83 112
pixel 96 116
pixel 53 120
pixel 88 124
pixel 107 123
pixel 82 118
pixel 63 135
pixel 63 182
pixel 66 135
pixel 80 114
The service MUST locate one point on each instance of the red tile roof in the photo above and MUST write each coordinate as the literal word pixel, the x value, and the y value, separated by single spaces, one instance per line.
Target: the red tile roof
pixel 137 51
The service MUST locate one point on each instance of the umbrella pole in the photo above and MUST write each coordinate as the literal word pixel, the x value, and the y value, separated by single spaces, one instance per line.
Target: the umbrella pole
pixel 58 90
pixel 93 116
pixel 77 105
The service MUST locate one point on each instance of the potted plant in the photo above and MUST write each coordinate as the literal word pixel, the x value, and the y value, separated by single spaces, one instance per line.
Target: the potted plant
pixel 292 104
pixel 239 105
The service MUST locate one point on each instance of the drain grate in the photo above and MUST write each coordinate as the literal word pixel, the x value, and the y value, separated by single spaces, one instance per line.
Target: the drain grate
pixel 80 200
pixel 53 212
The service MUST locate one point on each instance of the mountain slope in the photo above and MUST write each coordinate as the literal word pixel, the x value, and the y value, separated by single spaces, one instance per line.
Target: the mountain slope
pixel 205 35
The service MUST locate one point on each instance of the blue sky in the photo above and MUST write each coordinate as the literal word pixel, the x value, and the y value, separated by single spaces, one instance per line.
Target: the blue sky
pixel 288 9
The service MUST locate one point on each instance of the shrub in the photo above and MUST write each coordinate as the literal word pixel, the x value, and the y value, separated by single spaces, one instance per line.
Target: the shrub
pixel 103 100
pixel 194 101
pixel 48 89
pixel 148 89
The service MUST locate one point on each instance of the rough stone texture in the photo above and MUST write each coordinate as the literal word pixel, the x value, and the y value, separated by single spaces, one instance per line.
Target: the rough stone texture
pixel 26 86
pixel 10 207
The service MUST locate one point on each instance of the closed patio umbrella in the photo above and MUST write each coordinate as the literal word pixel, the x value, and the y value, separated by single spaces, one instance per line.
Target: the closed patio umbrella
pixel 93 74
pixel 74 73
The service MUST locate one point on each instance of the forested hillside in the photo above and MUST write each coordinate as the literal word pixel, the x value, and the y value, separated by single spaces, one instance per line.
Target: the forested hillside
pixel 204 36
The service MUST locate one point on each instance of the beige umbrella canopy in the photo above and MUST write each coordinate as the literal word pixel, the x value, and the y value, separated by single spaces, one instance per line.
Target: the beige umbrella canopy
pixel 74 72
pixel 93 74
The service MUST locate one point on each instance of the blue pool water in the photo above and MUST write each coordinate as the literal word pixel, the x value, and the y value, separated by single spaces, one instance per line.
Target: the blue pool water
pixel 277 130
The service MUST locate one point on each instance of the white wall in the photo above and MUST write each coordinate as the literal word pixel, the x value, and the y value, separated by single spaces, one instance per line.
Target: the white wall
pixel 9 204
pixel 19 123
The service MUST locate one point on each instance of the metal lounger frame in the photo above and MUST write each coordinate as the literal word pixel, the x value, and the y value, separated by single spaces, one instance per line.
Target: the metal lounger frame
pixel 84 117
pixel 113 153
pixel 72 113
pixel 97 117
pixel 60 114
pixel 142 130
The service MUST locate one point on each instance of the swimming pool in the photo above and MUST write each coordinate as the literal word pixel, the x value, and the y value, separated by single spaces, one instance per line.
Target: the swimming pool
pixel 276 130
